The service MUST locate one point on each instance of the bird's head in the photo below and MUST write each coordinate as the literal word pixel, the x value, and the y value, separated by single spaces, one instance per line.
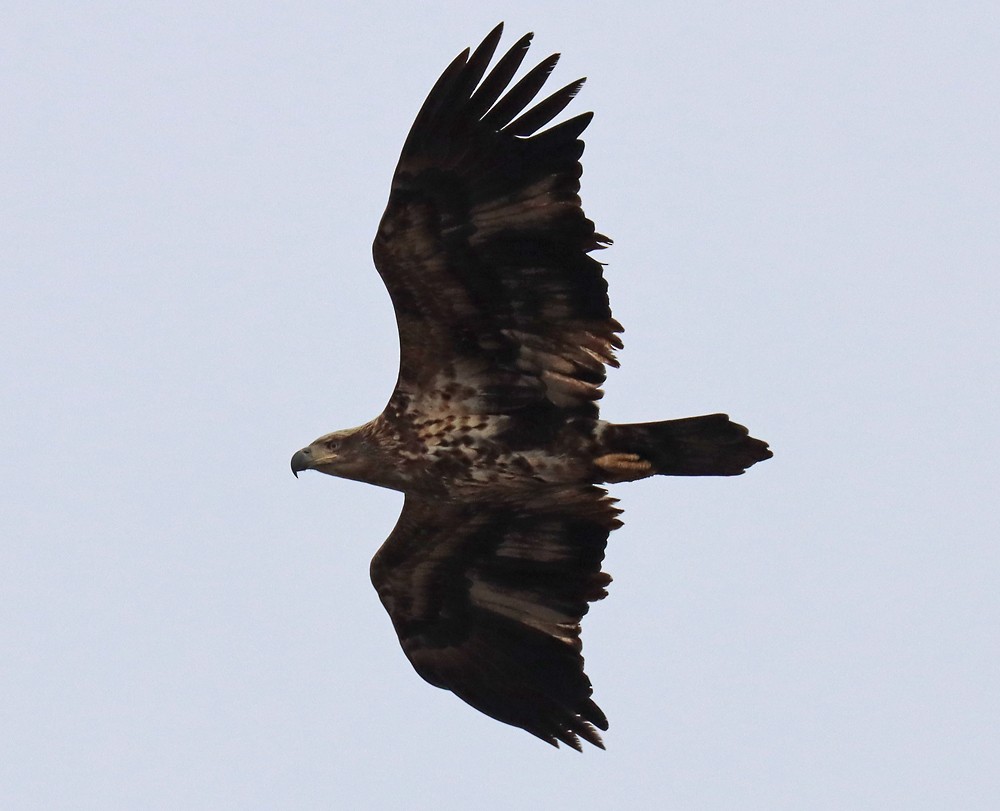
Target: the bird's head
pixel 341 453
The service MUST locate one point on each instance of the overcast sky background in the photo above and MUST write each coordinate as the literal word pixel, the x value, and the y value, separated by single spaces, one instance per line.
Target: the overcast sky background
pixel 804 200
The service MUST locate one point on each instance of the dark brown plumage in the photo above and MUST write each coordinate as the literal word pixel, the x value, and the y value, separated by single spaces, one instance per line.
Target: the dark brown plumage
pixel 493 431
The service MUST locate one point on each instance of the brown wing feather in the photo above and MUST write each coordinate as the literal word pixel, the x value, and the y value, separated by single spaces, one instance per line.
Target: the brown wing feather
pixel 484 245
pixel 487 600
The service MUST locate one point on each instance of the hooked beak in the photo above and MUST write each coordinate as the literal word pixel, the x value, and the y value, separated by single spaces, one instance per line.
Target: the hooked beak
pixel 301 460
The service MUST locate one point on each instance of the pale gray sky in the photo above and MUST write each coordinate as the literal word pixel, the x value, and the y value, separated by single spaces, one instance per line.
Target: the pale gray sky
pixel 804 200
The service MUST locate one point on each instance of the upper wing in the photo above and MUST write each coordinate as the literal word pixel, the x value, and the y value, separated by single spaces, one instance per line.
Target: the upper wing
pixel 484 246
pixel 487 598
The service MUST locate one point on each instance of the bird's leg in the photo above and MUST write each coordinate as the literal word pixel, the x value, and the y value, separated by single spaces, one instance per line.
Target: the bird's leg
pixel 623 467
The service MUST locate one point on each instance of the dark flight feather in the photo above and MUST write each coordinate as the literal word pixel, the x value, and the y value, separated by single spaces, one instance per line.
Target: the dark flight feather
pixel 487 598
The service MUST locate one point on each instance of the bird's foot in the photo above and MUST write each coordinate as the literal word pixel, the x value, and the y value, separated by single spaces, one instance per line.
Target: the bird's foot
pixel 624 467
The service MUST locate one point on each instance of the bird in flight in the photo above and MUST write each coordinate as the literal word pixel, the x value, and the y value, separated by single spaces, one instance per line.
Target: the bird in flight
pixel 492 431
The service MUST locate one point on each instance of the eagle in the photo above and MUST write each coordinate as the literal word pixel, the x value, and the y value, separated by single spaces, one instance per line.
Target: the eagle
pixel 492 432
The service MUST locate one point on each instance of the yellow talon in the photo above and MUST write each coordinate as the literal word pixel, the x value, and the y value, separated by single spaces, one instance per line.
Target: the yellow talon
pixel 624 466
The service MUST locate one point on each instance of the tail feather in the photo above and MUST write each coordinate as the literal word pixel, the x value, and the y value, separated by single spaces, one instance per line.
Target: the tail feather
pixel 711 445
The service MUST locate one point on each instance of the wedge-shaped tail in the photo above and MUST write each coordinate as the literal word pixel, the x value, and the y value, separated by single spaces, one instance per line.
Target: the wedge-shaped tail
pixel 711 445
